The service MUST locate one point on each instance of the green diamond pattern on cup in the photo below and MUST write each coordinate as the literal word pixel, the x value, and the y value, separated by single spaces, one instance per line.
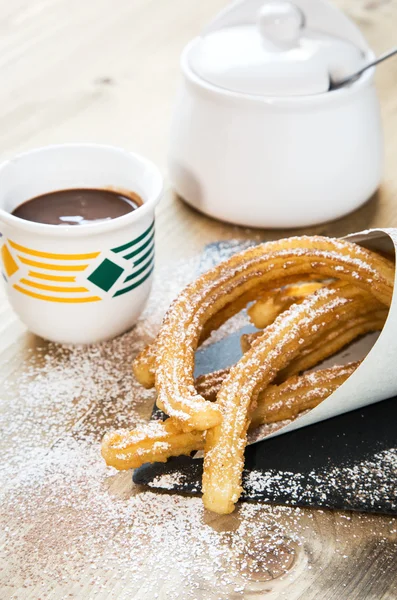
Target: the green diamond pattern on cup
pixel 139 252
pixel 106 275
pixel 148 232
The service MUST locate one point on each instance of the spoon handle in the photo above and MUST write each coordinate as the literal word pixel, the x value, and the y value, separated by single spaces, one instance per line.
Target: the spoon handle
pixel 351 78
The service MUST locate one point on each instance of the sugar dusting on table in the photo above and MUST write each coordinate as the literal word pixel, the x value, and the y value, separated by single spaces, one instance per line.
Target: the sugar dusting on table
pixel 368 480
pixel 73 528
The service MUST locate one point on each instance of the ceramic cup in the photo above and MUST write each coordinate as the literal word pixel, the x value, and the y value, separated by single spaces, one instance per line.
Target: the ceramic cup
pixel 78 284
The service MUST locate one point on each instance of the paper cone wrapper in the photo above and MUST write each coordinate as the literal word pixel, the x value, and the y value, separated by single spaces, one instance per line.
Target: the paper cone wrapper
pixel 376 377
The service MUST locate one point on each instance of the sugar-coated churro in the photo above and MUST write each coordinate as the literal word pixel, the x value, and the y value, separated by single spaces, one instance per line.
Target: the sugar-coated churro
pixel 270 304
pixel 152 442
pixel 333 341
pixel 313 294
pixel 268 265
pixel 344 331
pixel 264 311
pixel 159 440
pixel 269 354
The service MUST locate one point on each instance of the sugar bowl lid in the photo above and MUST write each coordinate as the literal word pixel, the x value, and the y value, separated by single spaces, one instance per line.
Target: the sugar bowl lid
pixel 269 48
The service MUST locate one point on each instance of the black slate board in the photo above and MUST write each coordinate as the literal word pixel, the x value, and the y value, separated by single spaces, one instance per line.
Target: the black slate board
pixel 332 464
pixel 348 462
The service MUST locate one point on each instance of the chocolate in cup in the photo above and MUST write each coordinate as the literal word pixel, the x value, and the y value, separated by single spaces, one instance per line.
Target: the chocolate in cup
pixel 78 284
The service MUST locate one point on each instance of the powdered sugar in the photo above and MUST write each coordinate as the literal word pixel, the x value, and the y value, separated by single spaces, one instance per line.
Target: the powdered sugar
pixel 374 486
pixel 73 528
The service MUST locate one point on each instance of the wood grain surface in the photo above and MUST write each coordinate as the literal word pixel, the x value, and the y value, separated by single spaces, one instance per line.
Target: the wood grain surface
pixel 107 71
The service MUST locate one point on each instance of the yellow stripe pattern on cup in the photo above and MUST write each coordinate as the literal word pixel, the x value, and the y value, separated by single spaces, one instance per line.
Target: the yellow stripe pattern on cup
pixel 51 276
pixel 46 277
pixel 55 298
pixel 10 266
pixel 79 277
pixel 53 255
pixel 53 288
pixel 50 266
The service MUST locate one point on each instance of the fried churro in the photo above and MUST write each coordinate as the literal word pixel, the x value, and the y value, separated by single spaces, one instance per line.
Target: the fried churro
pixel 268 265
pixel 348 328
pixel 313 294
pixel 159 440
pixel 270 304
pixel 280 344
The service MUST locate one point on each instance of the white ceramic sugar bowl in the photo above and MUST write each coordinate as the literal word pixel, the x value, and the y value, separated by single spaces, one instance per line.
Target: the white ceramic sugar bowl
pixel 257 138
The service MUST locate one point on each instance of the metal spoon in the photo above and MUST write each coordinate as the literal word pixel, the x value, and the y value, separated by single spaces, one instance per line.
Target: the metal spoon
pixel 334 85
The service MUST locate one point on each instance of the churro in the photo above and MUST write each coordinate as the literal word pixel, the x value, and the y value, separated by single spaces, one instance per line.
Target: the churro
pixel 269 265
pixel 298 394
pixel 155 441
pixel 266 308
pixel 333 341
pixel 159 440
pixel 269 354
pixel 313 294
pixel 339 335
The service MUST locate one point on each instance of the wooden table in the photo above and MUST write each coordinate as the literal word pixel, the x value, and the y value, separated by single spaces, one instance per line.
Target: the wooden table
pixel 106 71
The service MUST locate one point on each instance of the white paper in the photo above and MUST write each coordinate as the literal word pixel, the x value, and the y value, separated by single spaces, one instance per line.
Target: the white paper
pixel 376 378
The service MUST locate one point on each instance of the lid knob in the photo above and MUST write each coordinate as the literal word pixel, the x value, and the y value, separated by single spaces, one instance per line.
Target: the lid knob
pixel 281 23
